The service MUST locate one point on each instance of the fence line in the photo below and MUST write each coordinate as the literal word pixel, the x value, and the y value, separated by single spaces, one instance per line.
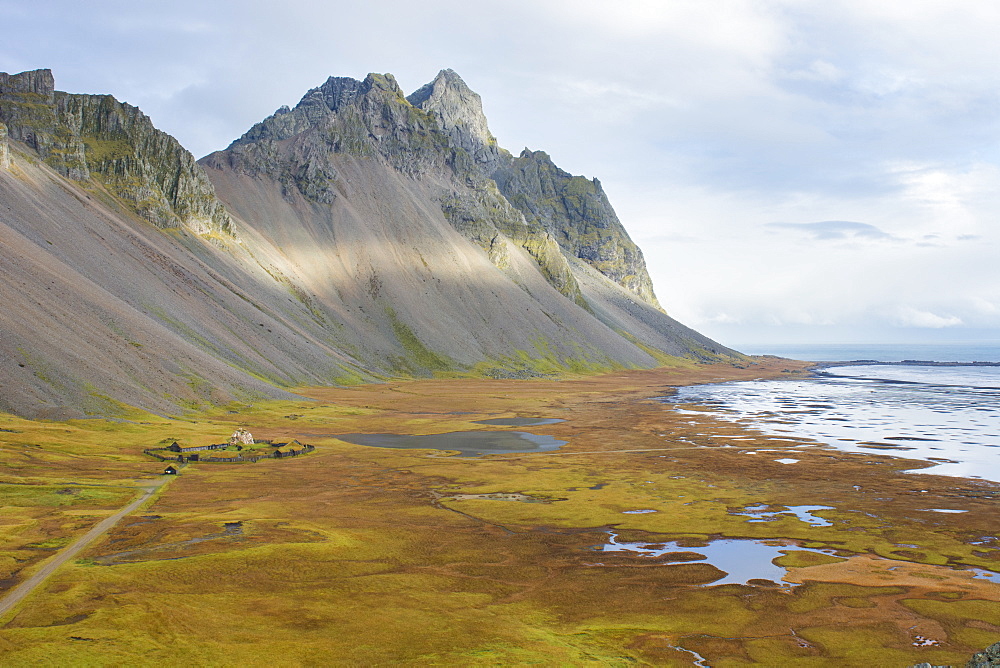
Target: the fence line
pixel 277 454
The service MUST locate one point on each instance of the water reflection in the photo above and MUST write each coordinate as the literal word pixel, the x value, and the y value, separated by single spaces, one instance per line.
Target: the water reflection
pixel 467 443
pixel 760 513
pixel 742 560
pixel 931 415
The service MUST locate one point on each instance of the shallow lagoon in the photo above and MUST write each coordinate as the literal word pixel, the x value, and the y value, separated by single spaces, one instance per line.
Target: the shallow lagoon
pixel 467 443
pixel 946 415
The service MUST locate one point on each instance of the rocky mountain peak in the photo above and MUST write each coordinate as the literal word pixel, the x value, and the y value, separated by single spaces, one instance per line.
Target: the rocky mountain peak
pixel 441 128
pixel 322 105
pixel 459 112
pixel 333 94
pixel 337 92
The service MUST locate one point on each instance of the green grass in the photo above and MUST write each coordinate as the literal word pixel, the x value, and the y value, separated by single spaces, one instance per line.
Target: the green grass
pixel 357 555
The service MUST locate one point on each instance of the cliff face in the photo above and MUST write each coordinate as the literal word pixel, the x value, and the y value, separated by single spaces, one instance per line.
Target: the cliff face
pixel 96 137
pixel 571 210
pixel 459 114
pixel 4 148
pixel 358 236
pixel 577 213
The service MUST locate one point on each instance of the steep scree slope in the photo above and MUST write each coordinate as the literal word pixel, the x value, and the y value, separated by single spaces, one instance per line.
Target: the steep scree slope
pixel 360 235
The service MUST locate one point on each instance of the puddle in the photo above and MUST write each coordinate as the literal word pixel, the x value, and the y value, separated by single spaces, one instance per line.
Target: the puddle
pixel 638 512
pixel 467 443
pixel 518 421
pixel 943 510
pixel 742 560
pixel 760 513
pixel 923 641
pixel 787 460
pixel 499 496
pixel 984 574
pixel 233 528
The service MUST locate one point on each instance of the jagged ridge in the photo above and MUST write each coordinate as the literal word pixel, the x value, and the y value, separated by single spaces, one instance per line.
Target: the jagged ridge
pixel 356 236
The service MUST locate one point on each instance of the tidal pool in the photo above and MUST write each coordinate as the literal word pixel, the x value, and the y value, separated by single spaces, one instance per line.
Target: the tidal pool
pixel 467 443
pixel 518 421
pixel 741 559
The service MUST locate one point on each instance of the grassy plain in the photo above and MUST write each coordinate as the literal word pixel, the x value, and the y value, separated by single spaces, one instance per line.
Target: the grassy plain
pixel 359 555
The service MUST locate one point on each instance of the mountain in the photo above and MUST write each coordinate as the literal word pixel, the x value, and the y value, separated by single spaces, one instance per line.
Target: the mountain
pixel 361 235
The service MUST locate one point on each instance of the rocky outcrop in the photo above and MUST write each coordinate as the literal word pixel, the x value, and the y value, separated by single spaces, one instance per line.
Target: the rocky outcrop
pixel 485 217
pixel 577 213
pixel 361 118
pixel 96 137
pixel 459 114
pixel 988 658
pixel 4 148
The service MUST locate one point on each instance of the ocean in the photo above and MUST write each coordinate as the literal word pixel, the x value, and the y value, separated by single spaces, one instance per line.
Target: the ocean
pixel 885 352
pixel 949 416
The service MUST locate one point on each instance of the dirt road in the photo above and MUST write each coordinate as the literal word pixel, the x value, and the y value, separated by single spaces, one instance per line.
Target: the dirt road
pixel 19 592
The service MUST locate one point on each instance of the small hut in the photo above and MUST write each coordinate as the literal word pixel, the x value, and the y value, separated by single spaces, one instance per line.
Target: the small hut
pixel 241 437
pixel 170 470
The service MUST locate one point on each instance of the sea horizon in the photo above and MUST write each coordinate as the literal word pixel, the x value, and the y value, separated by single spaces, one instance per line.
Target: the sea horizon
pixel 981 351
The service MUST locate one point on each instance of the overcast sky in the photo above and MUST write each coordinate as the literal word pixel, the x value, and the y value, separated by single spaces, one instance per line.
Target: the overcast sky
pixel 795 171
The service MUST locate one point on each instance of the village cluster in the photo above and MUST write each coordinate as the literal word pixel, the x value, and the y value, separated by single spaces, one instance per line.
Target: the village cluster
pixel 242 443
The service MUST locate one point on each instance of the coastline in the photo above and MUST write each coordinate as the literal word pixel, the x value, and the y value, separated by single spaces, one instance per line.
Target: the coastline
pixel 824 365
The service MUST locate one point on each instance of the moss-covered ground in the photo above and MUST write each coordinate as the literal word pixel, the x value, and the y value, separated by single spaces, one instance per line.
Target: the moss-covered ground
pixel 355 555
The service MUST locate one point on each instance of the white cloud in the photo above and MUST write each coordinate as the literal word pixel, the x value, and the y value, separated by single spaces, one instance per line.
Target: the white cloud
pixel 836 230
pixel 907 316
pixel 818 71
